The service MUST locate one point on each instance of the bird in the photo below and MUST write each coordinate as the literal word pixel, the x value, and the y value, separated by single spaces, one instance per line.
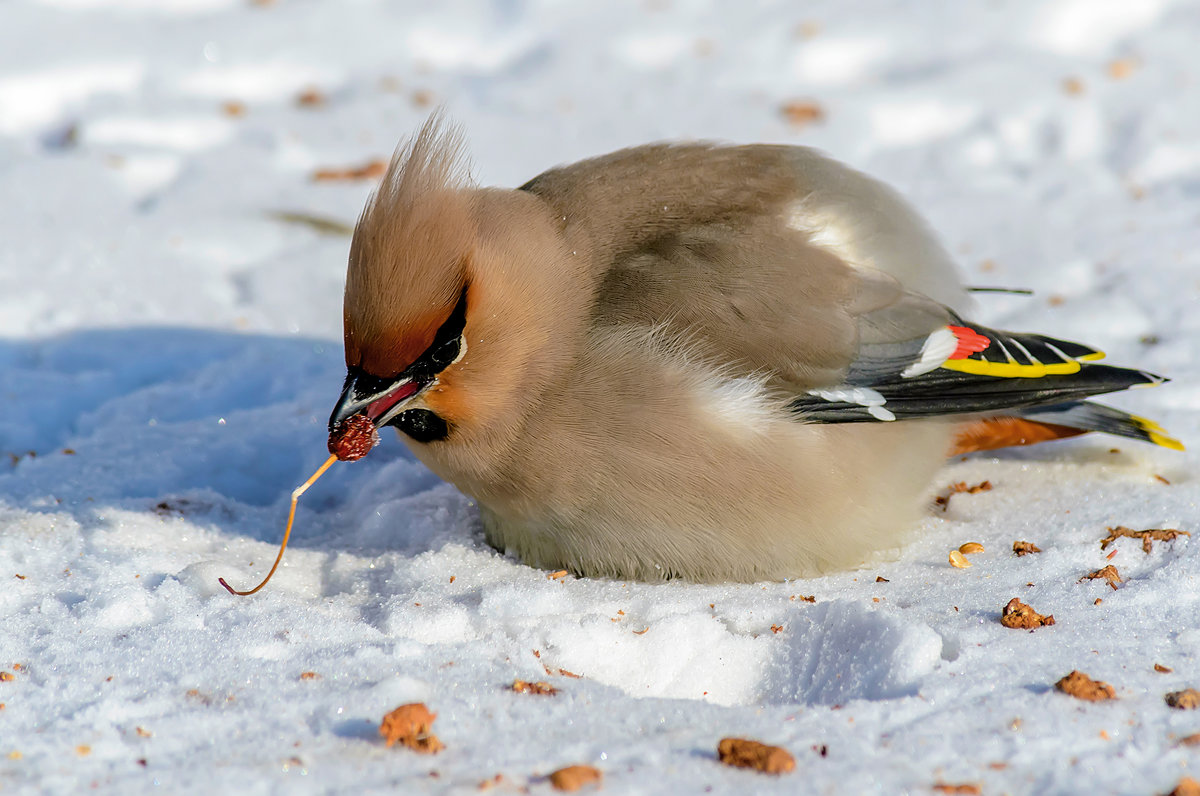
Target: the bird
pixel 696 361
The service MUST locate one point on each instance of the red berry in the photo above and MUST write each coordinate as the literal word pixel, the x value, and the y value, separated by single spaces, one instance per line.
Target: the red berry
pixel 353 438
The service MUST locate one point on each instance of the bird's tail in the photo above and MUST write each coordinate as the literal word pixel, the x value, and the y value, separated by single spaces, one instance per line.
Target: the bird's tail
pixel 1058 421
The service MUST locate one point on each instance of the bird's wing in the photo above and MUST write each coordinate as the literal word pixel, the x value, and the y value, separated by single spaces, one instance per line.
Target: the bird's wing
pixel 955 368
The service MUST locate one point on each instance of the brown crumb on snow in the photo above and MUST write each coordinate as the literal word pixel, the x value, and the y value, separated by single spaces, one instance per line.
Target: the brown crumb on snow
pixel 1019 616
pixel 1080 686
pixel 1190 740
pixel 572 778
pixel 1072 86
pixel 540 687
pixel 1148 537
pixel 311 97
pixel 1108 573
pixel 965 788
pixel 7 677
pixel 1158 667
pixel 309 676
pixel 1025 548
pixel 557 575
pixel 411 725
pixel 1188 699
pixel 959 488
pixel 1122 68
pixel 371 170
pixel 1186 787
pixel 743 753
pixel 801 113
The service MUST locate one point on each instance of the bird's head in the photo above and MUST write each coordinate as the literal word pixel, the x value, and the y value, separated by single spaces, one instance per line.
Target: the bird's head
pixel 461 303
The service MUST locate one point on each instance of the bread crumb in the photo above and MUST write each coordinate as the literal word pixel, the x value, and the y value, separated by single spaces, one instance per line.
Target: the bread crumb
pixel 1019 616
pixel 557 575
pixel 1025 548
pixel 743 753
pixel 1148 537
pixel 233 109
pixel 1188 699
pixel 142 732
pixel 1190 740
pixel 1158 667
pixel 411 725
pixel 1080 686
pixel 83 750
pixel 572 778
pixel 7 677
pixel 958 560
pixel 1108 573
pixel 309 676
pixel 1072 86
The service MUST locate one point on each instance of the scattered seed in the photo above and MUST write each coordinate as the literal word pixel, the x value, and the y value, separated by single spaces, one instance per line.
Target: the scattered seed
pixel 958 560
pixel 970 547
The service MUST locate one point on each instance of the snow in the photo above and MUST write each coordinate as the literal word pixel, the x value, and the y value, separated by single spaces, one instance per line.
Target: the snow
pixel 170 350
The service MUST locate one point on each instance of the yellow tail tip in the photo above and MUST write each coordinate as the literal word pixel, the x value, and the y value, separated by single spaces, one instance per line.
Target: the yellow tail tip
pixel 1156 433
pixel 1165 441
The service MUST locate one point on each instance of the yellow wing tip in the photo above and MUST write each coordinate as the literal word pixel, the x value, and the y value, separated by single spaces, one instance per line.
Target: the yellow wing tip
pixel 1092 357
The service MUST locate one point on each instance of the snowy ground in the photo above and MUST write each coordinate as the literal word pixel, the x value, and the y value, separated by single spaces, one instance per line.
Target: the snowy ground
pixel 170 350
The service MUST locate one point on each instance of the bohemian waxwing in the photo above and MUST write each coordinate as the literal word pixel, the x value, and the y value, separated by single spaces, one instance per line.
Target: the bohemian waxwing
pixel 698 361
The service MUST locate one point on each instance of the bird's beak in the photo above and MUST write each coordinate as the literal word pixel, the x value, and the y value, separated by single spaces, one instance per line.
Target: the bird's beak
pixel 381 400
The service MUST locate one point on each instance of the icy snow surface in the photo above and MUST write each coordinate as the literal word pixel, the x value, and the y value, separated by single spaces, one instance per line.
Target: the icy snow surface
pixel 170 350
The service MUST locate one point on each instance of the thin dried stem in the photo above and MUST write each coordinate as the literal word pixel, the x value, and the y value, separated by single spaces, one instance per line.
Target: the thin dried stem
pixel 296 493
